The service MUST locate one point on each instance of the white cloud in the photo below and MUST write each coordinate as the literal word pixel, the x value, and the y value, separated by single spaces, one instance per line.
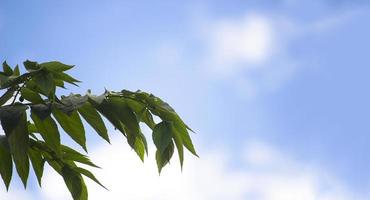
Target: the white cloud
pixel 252 54
pixel 240 42
pixel 266 174
pixel 248 53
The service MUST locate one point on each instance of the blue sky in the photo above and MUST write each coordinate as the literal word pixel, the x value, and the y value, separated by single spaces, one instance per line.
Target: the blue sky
pixel 276 90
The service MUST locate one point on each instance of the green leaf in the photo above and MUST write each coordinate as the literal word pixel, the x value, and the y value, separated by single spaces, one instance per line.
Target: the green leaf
pixel 185 137
pixel 12 80
pixel 179 145
pixel 141 112
pixel 138 145
pixel 48 130
pixel 56 66
pixel 7 95
pixel 67 78
pixel 7 69
pixel 107 110
pixel 37 163
pixel 31 128
pixel 70 154
pixel 75 183
pixel 88 174
pixel 31 96
pixel 16 71
pixel 164 157
pixel 14 123
pixel 125 115
pixel 31 66
pixel 162 135
pixel 147 118
pixel 59 83
pixel 92 117
pixel 6 164
pixel 45 81
pixel 72 125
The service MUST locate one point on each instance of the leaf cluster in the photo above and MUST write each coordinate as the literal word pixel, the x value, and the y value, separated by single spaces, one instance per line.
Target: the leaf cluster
pixel 32 115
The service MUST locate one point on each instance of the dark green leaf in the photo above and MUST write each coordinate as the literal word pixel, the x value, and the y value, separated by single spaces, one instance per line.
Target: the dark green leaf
pixel 162 135
pixel 45 81
pixel 185 137
pixel 107 110
pixel 141 112
pixel 147 118
pixel 75 183
pixel 71 154
pixel 12 80
pixel 14 123
pixel 164 157
pixel 125 115
pixel 31 66
pixel 179 145
pixel 65 77
pixel 6 164
pixel 72 125
pixel 88 174
pixel 92 117
pixel 59 83
pixel 31 96
pixel 56 66
pixel 49 131
pixel 37 163
pixel 16 71
pixel 7 69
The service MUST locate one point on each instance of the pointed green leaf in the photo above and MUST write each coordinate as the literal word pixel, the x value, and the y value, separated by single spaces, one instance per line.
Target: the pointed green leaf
pixel 37 163
pixel 56 66
pixel 107 110
pixel 67 78
pixel 16 71
pixel 88 174
pixel 49 131
pixel 7 69
pixel 75 183
pixel 147 118
pixel 185 137
pixel 31 96
pixel 12 80
pixel 138 145
pixel 14 123
pixel 72 125
pixel 6 164
pixel 125 115
pixel 164 157
pixel 45 81
pixel 31 66
pixel 73 155
pixel 179 145
pixel 162 135
pixel 92 117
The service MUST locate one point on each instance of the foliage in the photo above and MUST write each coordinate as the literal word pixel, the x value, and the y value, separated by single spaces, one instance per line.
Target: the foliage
pixel 31 114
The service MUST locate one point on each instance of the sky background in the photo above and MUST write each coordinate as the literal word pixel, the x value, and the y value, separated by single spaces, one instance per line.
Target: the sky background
pixel 276 90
